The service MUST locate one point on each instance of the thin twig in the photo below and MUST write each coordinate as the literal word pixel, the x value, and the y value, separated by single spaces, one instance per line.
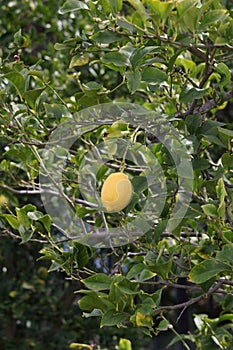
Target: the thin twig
pixel 189 302
pixel 13 235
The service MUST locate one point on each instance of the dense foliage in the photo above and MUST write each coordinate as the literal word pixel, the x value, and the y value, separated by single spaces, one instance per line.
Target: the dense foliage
pixel 88 88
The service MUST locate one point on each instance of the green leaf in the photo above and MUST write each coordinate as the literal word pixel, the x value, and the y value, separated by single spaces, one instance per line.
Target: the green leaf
pixel 94 301
pixel 125 24
pixel 225 73
pixel 139 53
pixel 37 74
pixel 22 216
pixel 116 5
pixel 178 338
pixel 48 253
pixel 188 65
pixel 133 80
pixel 82 211
pixel 92 86
pixel 73 5
pixel 12 220
pixel 125 344
pixel 113 318
pixel 106 37
pixel 188 94
pixel 210 127
pixel 221 194
pixel 184 6
pixel 162 269
pixel 137 4
pixel 200 164
pixel 227 161
pixel 93 313
pixel 56 110
pixel 139 183
pixel 135 270
pixel 81 254
pixel 35 215
pixel 213 16
pixel 164 325
pixel 19 38
pixel 26 234
pixel 99 281
pixel 127 287
pixel 17 80
pixel 31 96
pixel 226 132
pixel 46 221
pixel 220 190
pixel 61 46
pixel 193 122
pixel 206 270
pixel 116 58
pixel 205 286
pixel 153 299
pixel 226 254
pixel 154 75
pixel 161 9
pixel 210 210
pixel 191 18
pixel 106 7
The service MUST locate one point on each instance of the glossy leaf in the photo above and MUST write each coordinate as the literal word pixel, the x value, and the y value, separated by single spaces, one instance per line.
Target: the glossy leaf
pixel 106 37
pixel 78 61
pixel 116 58
pixel 113 318
pixel 154 75
pixel 188 95
pixel 31 96
pixel 133 80
pixel 206 270
pixel 125 344
pixel 210 210
pixel 98 282
pixel 73 5
pixel 17 80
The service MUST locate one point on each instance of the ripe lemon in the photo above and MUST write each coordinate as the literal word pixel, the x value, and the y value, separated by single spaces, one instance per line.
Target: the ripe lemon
pixel 116 192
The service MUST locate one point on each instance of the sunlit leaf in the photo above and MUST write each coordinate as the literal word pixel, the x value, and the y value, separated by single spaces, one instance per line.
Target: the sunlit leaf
pixel 73 5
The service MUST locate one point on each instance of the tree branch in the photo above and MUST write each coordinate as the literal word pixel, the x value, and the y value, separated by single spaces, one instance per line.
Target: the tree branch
pixel 212 103
pixel 206 107
pixel 13 235
pixel 41 191
pixel 190 302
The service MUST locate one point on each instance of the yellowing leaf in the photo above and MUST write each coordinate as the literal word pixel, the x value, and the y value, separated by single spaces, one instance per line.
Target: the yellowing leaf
pixel 79 60
pixel 125 344
pixel 80 346
pixel 143 320
pixel 3 200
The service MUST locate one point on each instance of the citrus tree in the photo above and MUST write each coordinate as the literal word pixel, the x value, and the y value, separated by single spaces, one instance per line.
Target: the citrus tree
pixel 140 89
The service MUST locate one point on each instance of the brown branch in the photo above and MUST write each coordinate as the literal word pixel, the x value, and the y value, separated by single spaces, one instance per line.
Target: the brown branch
pixel 212 103
pixel 229 283
pixel 42 191
pixel 190 302
pixel 206 107
pixel 8 233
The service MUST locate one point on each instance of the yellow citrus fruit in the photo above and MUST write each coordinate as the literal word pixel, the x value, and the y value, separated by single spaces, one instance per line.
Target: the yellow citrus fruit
pixel 116 192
